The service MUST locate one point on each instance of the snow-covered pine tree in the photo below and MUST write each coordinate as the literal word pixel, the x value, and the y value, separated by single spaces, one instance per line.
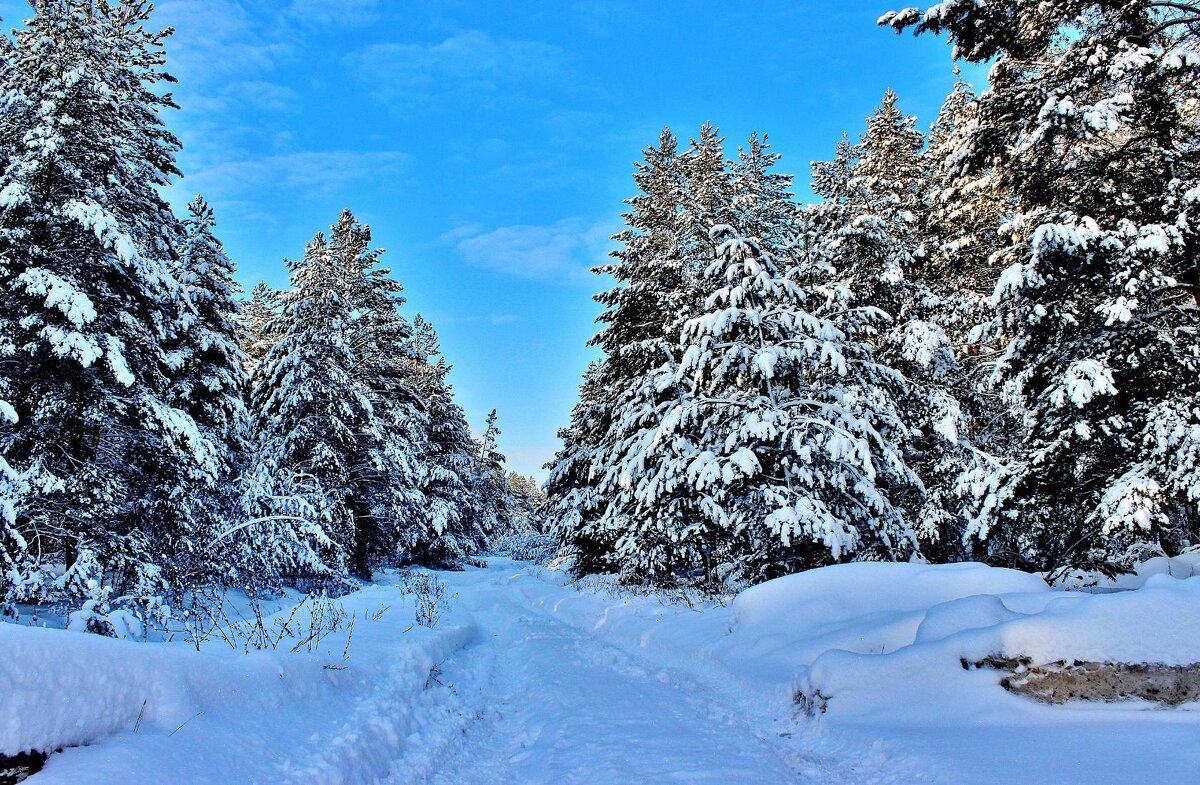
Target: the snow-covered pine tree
pixel 309 410
pixel 872 217
pixel 453 529
pixel 259 317
pixel 492 482
pixel 85 256
pixel 208 383
pixel 1100 293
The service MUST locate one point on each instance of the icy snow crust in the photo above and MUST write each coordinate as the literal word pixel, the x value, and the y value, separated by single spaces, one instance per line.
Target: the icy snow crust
pixel 529 679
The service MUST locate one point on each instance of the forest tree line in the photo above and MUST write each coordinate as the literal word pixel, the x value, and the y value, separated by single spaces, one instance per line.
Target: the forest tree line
pixel 161 434
pixel 978 343
pixel 982 342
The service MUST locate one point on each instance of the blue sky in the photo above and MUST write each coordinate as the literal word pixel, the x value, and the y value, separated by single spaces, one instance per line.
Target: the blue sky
pixel 490 144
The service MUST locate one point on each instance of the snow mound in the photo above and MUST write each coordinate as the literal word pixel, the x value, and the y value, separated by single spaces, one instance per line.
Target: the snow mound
pixel 854 591
pixel 1159 623
pixel 869 608
pixel 276 715
pixel 885 675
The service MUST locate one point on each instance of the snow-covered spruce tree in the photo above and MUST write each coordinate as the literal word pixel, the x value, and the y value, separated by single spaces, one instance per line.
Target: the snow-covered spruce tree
pixel 309 410
pixel 700 460
pixel 492 489
pixel 872 217
pixel 17 563
pixel 385 474
pixel 525 502
pixel 1100 290
pixel 641 314
pixel 707 196
pixel 963 213
pixel 573 502
pixel 965 208
pixel 872 193
pixel 208 383
pixel 208 379
pixel 661 534
pixel 85 264
pixel 761 203
pixel 452 529
pixel 665 249
pixel 796 415
pixel 258 318
pixel 342 435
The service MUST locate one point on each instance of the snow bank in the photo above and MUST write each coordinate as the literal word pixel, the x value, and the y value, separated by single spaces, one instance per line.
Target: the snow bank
pixel 852 591
pixel 59 692
pixel 872 608
pixel 875 652
pixel 823 626
pixel 173 714
pixel 922 679
pixel 1159 623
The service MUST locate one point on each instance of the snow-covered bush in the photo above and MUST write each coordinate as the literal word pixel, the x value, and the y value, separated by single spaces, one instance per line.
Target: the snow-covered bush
pixel 527 546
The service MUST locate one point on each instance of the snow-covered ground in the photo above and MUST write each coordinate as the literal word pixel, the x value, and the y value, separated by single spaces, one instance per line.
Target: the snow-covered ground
pixel 527 680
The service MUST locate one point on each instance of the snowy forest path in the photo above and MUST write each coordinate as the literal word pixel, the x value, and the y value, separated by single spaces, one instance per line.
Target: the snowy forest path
pixel 523 680
pixel 563 706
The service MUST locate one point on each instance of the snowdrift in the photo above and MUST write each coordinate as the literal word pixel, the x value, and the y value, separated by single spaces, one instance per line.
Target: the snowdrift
pixel 264 716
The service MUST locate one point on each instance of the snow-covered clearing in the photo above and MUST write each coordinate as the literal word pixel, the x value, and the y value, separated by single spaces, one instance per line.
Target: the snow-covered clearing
pixel 529 680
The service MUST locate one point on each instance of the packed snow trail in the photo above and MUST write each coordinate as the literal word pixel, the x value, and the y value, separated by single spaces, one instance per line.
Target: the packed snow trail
pixel 563 706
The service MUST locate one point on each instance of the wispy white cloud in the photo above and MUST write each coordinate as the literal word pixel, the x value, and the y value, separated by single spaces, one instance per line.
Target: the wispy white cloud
pixel 310 173
pixel 609 17
pixel 563 251
pixel 244 95
pixel 346 13
pixel 230 58
pixel 471 63
pixel 221 40
pixel 493 319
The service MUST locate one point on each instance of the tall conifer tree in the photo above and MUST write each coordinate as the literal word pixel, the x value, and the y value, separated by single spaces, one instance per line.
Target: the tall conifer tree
pixel 1100 296
pixel 86 246
pixel 258 320
pixel 207 370
pixel 310 409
